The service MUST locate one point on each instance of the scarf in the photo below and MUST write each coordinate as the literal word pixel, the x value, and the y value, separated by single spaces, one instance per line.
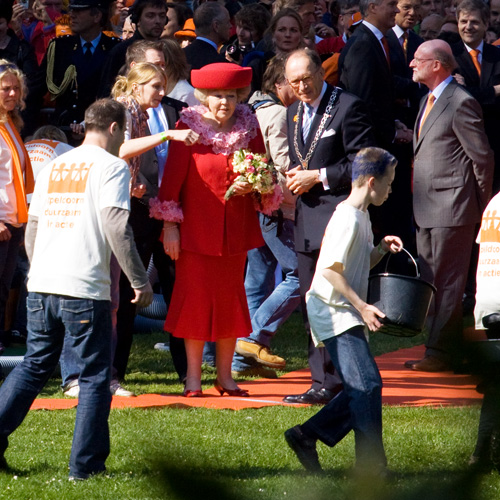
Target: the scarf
pixel 21 187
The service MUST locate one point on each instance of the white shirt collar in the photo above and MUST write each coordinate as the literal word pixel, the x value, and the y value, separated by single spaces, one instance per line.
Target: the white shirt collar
pixel 374 30
pixel 479 48
pixel 213 44
pixel 398 31
pixel 440 88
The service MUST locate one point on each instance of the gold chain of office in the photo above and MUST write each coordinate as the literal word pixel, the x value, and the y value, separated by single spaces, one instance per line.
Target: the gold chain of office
pixel 305 161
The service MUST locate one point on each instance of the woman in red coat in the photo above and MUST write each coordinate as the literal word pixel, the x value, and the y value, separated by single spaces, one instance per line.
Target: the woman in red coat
pixel 207 235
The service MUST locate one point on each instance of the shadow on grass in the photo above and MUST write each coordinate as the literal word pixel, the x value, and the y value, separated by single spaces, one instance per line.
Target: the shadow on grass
pixel 187 483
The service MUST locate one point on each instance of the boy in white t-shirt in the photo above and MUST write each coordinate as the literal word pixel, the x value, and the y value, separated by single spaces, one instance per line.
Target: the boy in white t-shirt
pixel 338 313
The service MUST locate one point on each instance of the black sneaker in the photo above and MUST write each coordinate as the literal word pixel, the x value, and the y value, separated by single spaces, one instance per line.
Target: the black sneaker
pixel 304 448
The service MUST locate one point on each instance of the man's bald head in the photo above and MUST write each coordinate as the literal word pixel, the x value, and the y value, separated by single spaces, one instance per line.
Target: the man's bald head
pixel 440 51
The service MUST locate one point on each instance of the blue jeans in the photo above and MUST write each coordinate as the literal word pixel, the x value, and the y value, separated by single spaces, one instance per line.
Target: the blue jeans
pixel 52 320
pixel 69 360
pixel 270 307
pixel 358 406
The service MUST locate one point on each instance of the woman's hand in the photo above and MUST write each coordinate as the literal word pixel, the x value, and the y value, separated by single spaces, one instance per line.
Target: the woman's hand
pixel 40 13
pixel 171 240
pixel 240 188
pixel 5 234
pixel 188 137
pixel 18 12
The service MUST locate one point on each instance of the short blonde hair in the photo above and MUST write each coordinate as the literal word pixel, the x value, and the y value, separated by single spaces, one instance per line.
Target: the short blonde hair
pixel 8 68
pixel 139 74
pixel 202 94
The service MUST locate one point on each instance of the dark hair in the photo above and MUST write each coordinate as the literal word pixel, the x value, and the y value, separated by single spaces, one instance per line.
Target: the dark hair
pixel 275 73
pixel 254 16
pixel 371 162
pixel 183 12
pixel 6 11
pixel 102 113
pixel 344 5
pixel 205 15
pixel 50 132
pixel 279 5
pixel 475 5
pixel 139 6
pixel 136 52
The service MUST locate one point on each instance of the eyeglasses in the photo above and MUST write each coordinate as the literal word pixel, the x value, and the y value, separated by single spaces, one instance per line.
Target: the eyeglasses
pixel 306 80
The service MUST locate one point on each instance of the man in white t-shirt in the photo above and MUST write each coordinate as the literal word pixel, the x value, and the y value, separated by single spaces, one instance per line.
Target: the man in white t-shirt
pixel 78 216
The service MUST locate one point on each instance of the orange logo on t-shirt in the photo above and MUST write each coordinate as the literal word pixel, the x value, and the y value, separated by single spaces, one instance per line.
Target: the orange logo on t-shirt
pixel 490 228
pixel 69 178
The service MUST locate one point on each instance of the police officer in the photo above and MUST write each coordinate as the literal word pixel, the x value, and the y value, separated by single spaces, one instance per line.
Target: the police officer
pixel 73 63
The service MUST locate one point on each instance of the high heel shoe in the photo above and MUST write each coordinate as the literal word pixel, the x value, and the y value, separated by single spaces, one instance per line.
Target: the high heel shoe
pixel 241 393
pixel 188 393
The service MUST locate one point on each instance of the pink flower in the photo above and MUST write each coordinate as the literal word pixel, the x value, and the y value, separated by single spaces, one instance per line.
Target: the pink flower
pixel 251 169
pixel 249 157
pixel 265 160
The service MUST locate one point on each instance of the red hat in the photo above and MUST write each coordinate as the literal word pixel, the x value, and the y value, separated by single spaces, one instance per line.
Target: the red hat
pixel 221 76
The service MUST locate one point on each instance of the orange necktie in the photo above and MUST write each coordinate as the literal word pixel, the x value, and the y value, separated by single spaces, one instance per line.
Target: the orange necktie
pixel 405 44
pixel 430 102
pixel 386 50
pixel 475 59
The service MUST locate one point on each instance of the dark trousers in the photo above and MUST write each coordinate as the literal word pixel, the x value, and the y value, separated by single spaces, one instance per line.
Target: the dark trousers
pixel 323 373
pixel 147 232
pixel 444 256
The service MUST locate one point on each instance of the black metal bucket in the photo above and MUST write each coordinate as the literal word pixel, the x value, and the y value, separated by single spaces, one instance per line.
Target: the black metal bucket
pixel 404 300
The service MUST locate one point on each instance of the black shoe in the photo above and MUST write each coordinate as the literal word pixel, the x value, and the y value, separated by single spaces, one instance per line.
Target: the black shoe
pixel 304 448
pixel 311 397
pixel 3 463
pixel 2 348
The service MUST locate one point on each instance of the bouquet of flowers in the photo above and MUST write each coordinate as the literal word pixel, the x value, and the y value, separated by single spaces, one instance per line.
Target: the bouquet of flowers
pixel 258 171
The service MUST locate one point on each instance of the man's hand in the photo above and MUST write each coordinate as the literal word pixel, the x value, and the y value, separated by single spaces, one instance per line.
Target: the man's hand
pixel 371 315
pixel 300 181
pixel 403 133
pixel 40 13
pixel 5 234
pixel 392 244
pixel 143 296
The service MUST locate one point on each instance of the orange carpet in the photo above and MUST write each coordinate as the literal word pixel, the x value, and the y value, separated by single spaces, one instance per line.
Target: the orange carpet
pixel 401 387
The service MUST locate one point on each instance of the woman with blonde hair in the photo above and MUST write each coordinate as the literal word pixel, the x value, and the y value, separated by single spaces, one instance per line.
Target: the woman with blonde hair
pixel 16 179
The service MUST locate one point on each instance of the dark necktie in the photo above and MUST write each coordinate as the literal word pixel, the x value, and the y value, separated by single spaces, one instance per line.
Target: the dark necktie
pixel 87 51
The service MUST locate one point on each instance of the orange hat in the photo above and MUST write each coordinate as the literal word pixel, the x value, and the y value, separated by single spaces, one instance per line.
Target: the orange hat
pixel 221 76
pixel 355 19
pixel 187 30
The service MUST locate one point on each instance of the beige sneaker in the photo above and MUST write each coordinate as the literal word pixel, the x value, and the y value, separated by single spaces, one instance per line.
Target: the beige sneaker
pixel 260 353
pixel 117 390
pixel 73 391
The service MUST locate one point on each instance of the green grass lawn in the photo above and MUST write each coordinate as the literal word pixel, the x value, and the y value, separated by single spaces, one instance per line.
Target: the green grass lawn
pixel 221 454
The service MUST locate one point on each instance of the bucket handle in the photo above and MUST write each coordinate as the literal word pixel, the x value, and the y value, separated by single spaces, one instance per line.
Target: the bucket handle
pixel 417 271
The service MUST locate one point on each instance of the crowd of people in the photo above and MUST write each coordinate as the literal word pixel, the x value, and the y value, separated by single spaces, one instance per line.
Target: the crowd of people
pixel 126 118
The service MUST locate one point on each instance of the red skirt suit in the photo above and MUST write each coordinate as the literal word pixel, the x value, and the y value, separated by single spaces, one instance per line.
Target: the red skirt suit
pixel 208 300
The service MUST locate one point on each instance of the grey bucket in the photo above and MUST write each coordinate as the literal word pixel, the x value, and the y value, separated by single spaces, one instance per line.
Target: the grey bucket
pixel 405 300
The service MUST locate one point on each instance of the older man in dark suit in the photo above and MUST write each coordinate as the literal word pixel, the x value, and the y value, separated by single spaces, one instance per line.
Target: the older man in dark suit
pixel 453 172
pixel 326 128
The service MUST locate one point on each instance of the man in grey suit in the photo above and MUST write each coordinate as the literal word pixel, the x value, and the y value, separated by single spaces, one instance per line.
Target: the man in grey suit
pixel 453 171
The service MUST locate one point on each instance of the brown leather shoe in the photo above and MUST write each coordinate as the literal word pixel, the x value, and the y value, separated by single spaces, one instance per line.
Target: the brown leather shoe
pixel 260 353
pixel 428 364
